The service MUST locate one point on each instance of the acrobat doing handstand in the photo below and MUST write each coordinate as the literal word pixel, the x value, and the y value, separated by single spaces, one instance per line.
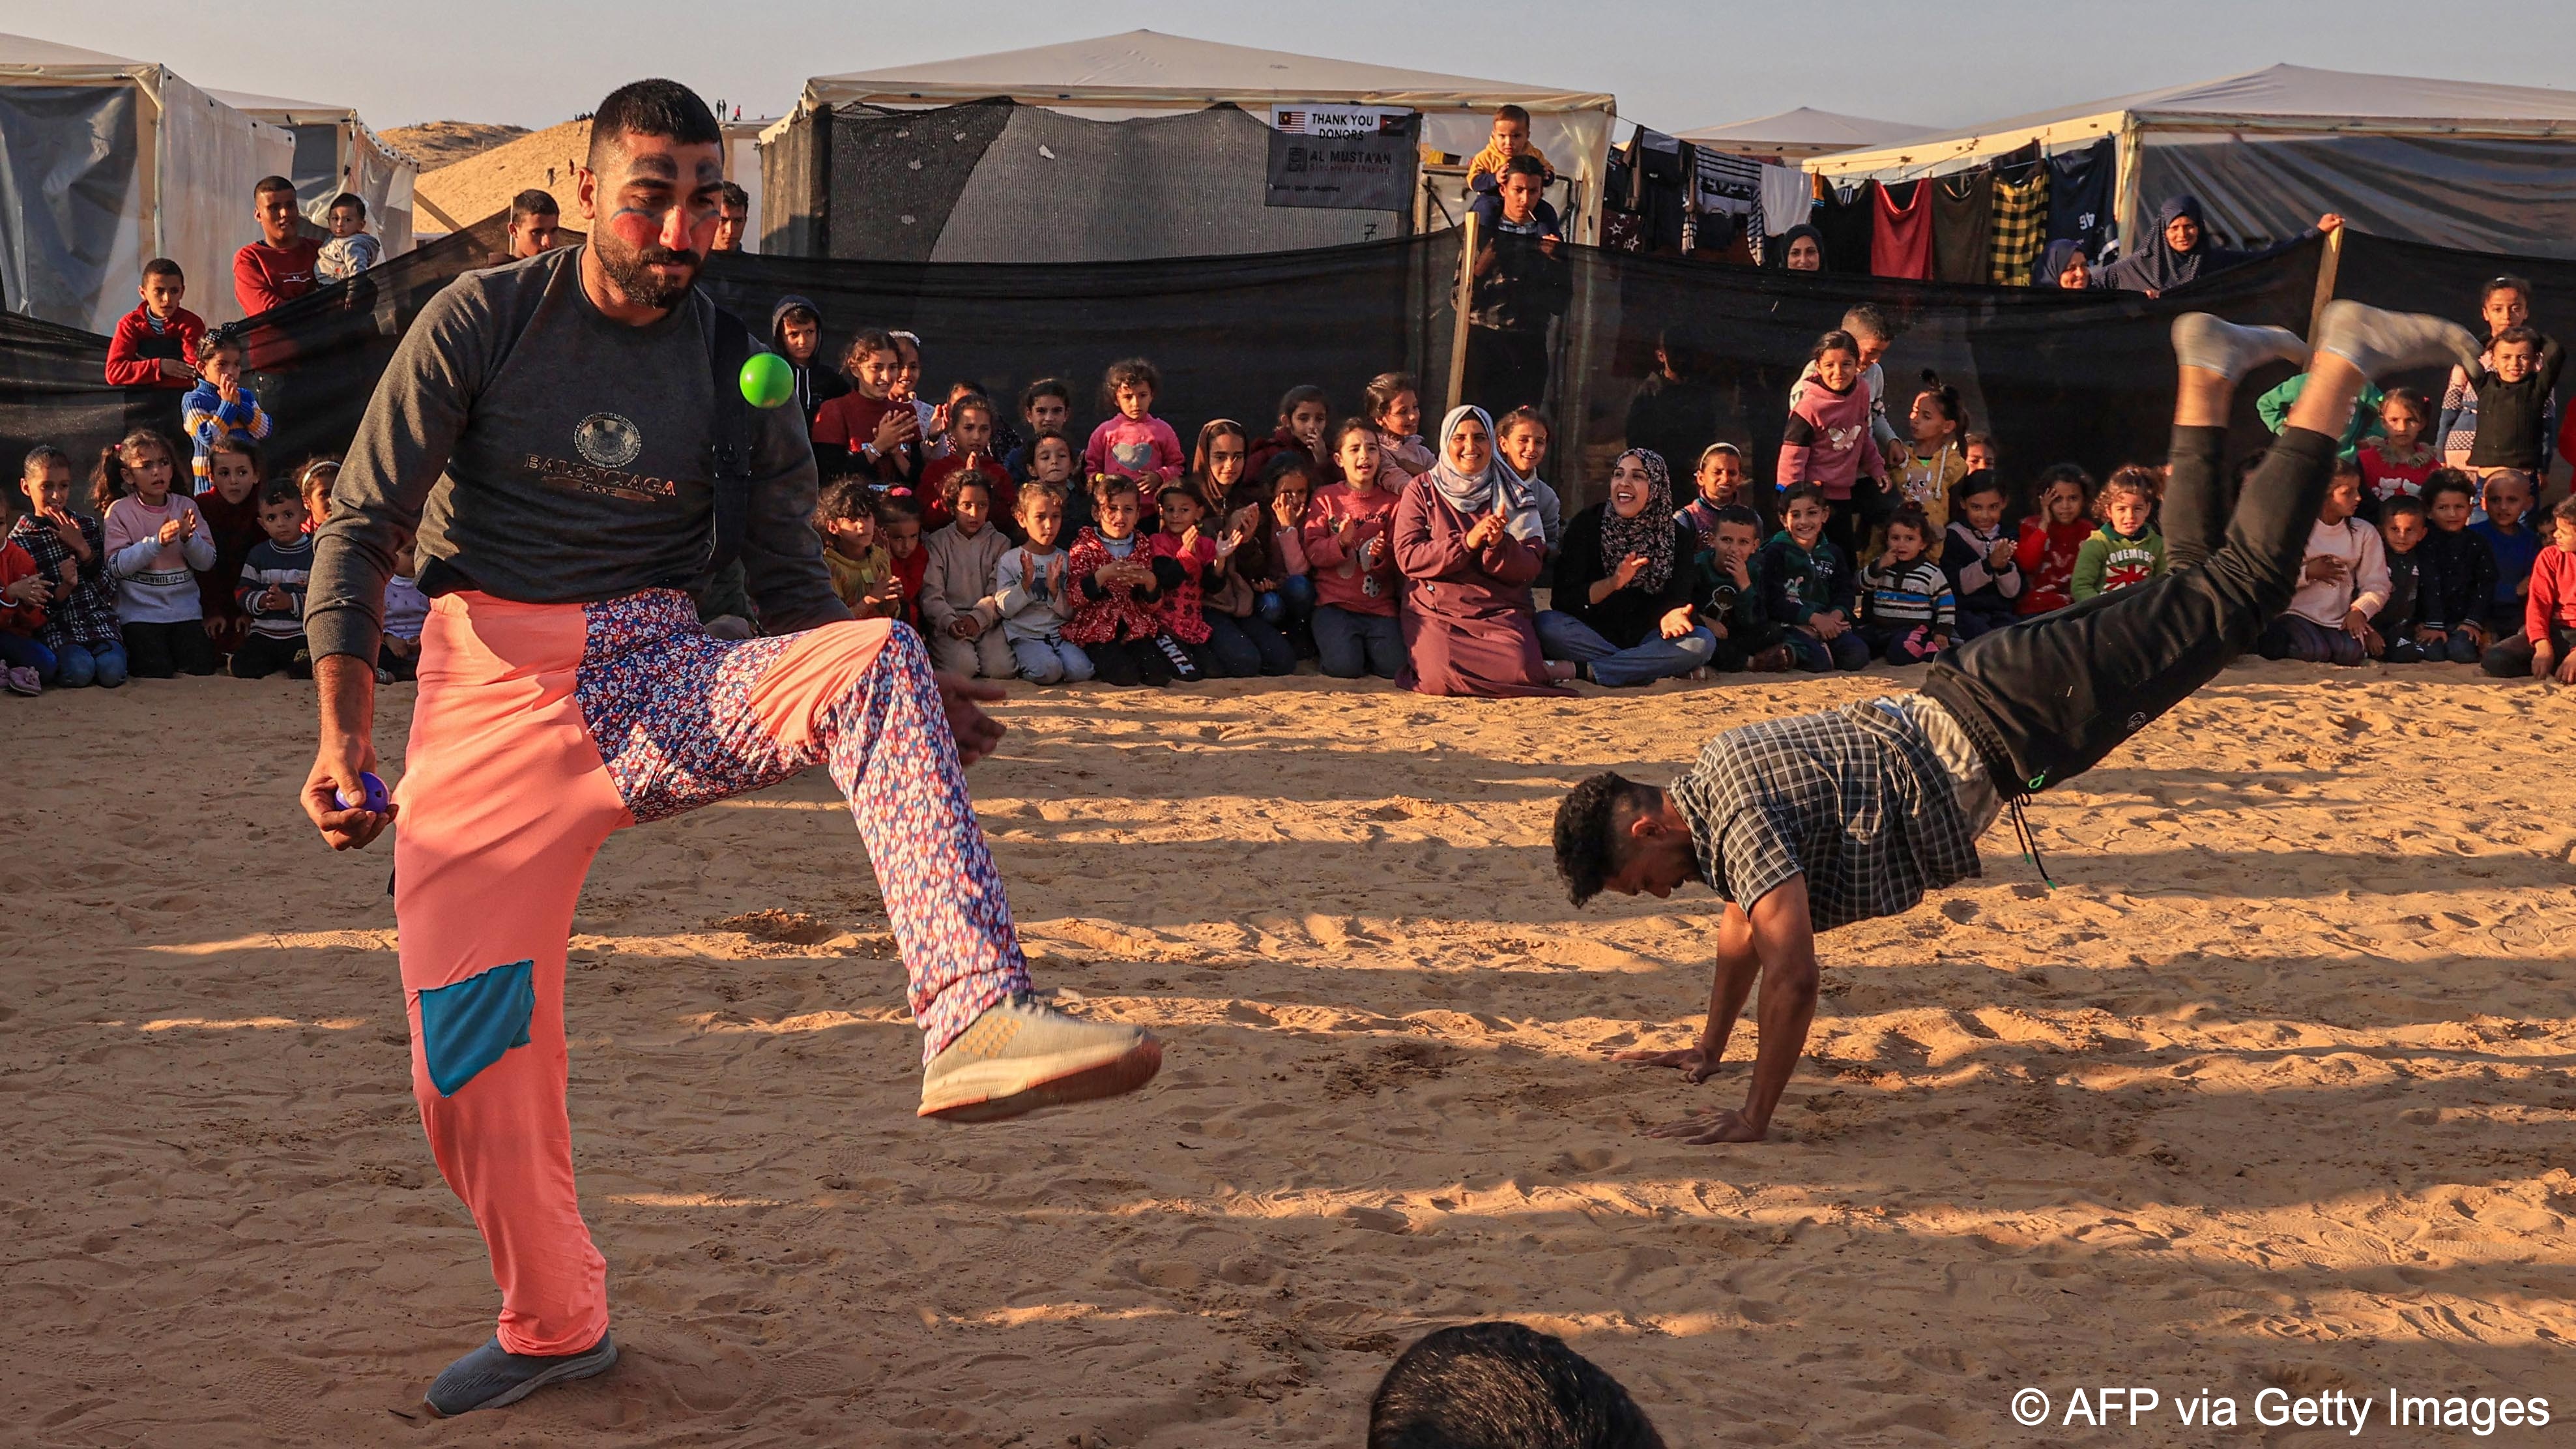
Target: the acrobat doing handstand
pixel 1815 821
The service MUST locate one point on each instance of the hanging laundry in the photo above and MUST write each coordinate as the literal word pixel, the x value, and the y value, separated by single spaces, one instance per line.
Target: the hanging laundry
pixel 2020 224
pixel 1847 220
pixel 1658 196
pixel 1725 190
pixel 2079 196
pixel 1900 242
pixel 1788 199
pixel 1963 214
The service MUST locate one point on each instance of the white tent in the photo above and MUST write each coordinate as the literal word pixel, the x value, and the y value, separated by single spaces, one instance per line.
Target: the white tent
pixel 2451 163
pixel 335 152
pixel 1144 72
pixel 1806 131
pixel 107 162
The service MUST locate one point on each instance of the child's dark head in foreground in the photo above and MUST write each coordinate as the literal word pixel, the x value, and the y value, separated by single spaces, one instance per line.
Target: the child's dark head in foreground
pixel 1502 1386
pixel 2402 522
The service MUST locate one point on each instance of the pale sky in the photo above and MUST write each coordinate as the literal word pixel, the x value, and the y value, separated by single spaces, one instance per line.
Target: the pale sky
pixel 1673 64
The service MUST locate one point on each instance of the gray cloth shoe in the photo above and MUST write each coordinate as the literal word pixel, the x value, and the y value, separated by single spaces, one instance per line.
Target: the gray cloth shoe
pixel 2380 343
pixel 1020 1056
pixel 491 1376
pixel 2200 340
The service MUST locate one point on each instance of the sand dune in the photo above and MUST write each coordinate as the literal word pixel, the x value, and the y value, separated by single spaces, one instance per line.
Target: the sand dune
pixel 457 196
pixel 2272 1089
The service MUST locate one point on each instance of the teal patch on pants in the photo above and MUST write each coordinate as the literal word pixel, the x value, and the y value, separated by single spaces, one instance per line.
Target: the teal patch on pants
pixel 466 1026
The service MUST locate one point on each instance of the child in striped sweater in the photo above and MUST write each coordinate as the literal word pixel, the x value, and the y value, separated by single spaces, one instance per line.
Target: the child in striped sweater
pixel 1907 609
pixel 220 407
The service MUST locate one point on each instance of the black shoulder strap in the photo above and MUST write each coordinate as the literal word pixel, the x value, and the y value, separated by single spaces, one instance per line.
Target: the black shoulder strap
pixel 729 435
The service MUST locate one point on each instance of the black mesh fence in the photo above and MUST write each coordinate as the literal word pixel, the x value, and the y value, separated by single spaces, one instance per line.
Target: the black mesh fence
pixel 2082 377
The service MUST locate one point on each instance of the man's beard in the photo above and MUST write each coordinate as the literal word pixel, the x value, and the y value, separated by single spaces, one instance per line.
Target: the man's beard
pixel 633 273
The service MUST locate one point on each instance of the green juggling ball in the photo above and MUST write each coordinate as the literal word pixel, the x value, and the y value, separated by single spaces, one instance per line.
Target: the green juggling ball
pixel 767 380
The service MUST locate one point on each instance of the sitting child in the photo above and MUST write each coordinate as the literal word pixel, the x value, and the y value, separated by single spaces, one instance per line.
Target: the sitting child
pixel 2515 545
pixel 1132 443
pixel 2126 551
pixel 2546 647
pixel 899 524
pixel 2400 460
pixel 155 540
pixel 1394 402
pixel 1524 445
pixel 219 406
pixel 2457 573
pixel 1304 414
pixel 1907 609
pixel 1285 596
pixel 156 344
pixel 1926 473
pixel 406 615
pixel 26 665
pixel 70 551
pixel 274 577
pixel 1807 586
pixel 1728 603
pixel 314 482
pixel 1046 405
pixel 1116 616
pixel 2051 542
pixel 1353 562
pixel 1033 592
pixel 350 250
pixel 2402 526
pixel 970 440
pixel 2344 583
pixel 231 510
pixel 862 571
pixel 957 609
pixel 1720 480
pixel 1984 575
pixel 1187 563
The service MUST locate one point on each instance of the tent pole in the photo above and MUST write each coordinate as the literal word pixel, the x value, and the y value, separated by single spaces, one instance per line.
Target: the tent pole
pixel 1458 333
pixel 2328 264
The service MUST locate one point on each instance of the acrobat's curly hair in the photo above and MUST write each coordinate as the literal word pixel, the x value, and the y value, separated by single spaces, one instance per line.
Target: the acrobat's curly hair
pixel 1587 830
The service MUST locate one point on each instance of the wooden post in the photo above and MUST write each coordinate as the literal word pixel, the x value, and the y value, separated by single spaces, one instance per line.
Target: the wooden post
pixel 2327 265
pixel 1458 335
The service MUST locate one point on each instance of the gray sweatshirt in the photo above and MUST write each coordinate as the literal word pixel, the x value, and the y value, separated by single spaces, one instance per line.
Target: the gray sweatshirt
pixel 541 453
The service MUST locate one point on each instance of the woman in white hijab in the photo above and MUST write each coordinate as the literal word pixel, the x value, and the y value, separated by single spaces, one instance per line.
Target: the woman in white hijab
pixel 1468 541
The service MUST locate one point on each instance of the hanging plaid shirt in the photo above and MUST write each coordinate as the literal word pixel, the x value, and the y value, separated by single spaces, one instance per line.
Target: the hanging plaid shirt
pixel 1854 799
pixel 87 615
pixel 2020 227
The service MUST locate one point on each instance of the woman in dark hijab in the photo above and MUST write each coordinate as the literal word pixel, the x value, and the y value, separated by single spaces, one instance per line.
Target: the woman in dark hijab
pixel 1802 249
pixel 2180 251
pixel 2065 267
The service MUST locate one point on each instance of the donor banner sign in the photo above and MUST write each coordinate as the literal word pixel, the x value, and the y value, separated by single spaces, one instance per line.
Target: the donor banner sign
pixel 1371 172
pixel 1339 120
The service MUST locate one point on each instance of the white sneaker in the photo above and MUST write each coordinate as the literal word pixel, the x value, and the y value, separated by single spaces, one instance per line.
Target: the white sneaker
pixel 1020 1056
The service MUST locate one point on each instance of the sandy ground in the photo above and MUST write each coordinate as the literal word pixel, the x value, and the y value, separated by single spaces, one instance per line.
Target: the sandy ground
pixel 2272 1091
pixel 444 143
pixel 457 196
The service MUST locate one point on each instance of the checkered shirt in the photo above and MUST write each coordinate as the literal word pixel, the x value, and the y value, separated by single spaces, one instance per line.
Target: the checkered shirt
pixel 86 617
pixel 1854 799
pixel 2020 228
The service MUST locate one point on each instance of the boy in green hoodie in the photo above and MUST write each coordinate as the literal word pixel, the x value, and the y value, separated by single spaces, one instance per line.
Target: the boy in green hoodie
pixel 1807 586
pixel 2126 550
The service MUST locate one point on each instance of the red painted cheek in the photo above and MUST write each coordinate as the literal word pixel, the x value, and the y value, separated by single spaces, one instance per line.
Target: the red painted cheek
pixel 635 229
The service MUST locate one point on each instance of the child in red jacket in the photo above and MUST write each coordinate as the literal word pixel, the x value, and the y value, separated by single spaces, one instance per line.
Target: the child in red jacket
pixel 156 344
pixel 25 665
pixel 2546 647
pixel 2050 542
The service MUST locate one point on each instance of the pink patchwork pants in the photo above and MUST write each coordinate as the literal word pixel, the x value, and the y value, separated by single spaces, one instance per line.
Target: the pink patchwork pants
pixel 542 728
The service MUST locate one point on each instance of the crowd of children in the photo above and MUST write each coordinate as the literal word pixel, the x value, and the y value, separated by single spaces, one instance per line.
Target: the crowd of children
pixel 1018 551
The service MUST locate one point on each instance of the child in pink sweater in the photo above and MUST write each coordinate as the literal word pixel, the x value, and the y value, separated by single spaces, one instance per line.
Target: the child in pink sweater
pixel 1133 443
pixel 1828 440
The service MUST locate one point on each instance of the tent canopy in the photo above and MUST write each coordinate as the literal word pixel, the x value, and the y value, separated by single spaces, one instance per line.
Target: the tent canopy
pixel 335 152
pixel 2450 163
pixel 1115 77
pixel 106 161
pixel 1805 131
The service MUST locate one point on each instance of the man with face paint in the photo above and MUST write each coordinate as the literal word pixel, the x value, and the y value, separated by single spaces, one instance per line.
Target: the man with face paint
pixel 546 438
